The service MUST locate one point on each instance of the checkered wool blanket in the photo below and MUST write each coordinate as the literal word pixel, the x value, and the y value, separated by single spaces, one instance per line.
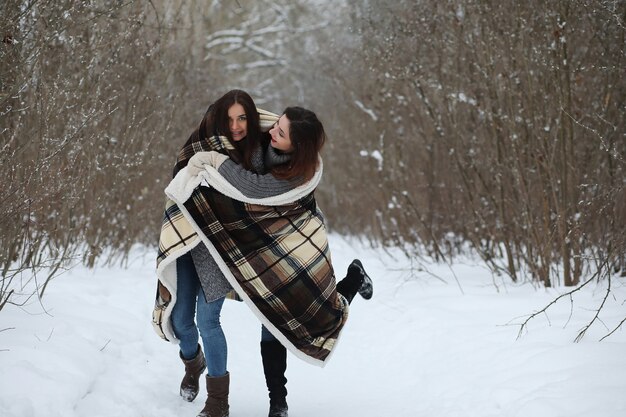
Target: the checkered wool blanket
pixel 274 252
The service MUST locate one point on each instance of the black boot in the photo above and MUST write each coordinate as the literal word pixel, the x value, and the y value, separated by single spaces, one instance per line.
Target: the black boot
pixel 366 290
pixel 356 280
pixel 274 357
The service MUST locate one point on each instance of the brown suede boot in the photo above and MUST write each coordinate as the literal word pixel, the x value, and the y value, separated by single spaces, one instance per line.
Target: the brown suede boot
pixel 190 385
pixel 217 396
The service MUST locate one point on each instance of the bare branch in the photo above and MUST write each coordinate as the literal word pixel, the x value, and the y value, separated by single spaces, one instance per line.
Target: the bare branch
pixel 615 329
pixel 553 302
pixel 582 332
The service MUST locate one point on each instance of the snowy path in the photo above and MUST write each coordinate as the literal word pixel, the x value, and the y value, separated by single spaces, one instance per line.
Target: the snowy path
pixel 418 348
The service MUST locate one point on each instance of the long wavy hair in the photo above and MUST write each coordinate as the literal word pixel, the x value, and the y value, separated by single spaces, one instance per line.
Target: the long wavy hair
pixel 307 138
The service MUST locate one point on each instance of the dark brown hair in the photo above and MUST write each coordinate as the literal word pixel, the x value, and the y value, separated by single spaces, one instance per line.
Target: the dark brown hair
pixel 307 138
pixel 218 118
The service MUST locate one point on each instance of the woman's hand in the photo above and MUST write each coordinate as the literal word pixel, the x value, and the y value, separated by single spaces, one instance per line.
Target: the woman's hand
pixel 198 162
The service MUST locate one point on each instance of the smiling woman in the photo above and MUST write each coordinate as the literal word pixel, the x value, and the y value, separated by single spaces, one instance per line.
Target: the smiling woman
pixel 231 125
pixel 237 122
pixel 235 116
pixel 299 133
pixel 280 135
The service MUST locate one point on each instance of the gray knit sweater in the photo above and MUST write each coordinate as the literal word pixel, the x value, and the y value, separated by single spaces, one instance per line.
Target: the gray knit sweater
pixel 255 185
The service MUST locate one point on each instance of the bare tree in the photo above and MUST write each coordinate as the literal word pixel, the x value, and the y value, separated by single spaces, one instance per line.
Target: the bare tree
pixel 83 131
pixel 492 123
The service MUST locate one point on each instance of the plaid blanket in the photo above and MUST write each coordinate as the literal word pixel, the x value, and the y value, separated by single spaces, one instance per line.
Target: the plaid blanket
pixel 274 252
pixel 177 236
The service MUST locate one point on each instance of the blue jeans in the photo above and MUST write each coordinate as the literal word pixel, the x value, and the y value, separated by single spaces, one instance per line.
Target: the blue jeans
pixel 189 301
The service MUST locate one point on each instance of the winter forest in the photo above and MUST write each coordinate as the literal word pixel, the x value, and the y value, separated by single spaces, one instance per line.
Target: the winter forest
pixel 490 127
pixel 490 130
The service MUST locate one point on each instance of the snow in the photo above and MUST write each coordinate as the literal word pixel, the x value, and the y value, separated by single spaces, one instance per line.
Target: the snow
pixel 375 154
pixel 367 111
pixel 420 347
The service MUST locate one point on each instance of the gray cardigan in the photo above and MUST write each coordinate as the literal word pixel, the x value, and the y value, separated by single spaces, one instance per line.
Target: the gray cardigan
pixel 255 185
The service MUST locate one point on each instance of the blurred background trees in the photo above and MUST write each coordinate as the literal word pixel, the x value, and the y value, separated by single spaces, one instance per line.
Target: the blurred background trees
pixel 500 127
pixel 456 127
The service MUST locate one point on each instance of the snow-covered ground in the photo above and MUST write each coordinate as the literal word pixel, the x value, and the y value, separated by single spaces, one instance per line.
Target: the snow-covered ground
pixel 420 347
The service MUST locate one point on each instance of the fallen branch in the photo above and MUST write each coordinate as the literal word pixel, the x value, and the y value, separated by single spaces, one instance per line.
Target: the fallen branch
pixel 581 334
pixel 567 294
pixel 615 329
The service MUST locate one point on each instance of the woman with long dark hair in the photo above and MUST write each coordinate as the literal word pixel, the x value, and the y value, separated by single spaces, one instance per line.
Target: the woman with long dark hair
pixel 231 124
